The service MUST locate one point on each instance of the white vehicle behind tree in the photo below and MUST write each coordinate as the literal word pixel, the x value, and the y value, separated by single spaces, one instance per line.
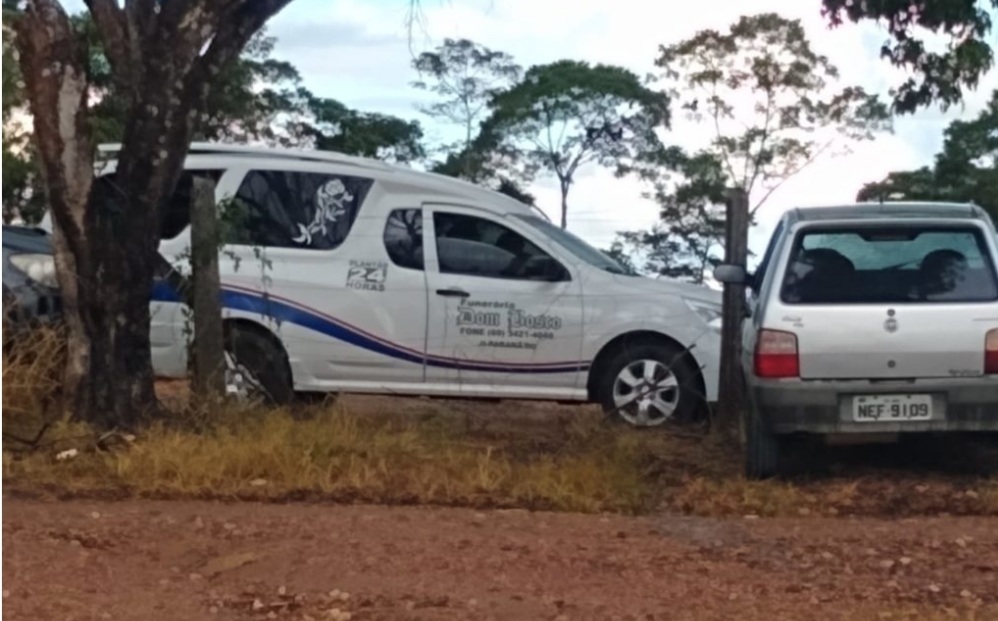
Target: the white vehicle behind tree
pixel 872 319
pixel 347 274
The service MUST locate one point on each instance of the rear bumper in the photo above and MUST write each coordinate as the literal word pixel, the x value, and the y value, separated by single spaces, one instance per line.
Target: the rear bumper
pixel 789 406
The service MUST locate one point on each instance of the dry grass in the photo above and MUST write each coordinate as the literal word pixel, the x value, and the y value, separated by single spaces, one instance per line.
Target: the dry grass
pixel 33 364
pixel 340 456
pixel 387 450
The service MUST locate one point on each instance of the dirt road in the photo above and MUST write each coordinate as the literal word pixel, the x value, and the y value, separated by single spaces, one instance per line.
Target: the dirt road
pixel 188 560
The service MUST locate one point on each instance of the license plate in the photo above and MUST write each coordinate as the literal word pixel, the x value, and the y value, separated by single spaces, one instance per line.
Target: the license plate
pixel 891 408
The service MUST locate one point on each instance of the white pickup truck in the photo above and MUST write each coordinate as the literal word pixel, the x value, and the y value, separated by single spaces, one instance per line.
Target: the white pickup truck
pixel 353 275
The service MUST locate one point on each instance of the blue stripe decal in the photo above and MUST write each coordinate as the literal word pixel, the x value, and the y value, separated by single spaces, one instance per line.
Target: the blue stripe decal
pixel 277 309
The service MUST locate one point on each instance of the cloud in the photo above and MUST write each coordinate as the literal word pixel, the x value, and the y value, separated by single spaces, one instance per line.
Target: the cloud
pixel 311 37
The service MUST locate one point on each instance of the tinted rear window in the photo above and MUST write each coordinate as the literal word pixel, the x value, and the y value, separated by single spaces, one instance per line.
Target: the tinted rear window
pixel 889 266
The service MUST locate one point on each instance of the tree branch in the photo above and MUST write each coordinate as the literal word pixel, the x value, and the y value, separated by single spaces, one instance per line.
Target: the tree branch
pixel 142 17
pixel 757 163
pixel 716 113
pixel 113 28
pixel 788 175
pixel 247 19
pixel 55 78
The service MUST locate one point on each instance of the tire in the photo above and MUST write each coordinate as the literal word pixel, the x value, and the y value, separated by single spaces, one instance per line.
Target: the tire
pixel 264 360
pixel 688 400
pixel 763 449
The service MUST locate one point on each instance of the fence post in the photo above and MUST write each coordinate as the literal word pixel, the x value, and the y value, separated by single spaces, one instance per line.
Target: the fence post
pixel 732 403
pixel 209 343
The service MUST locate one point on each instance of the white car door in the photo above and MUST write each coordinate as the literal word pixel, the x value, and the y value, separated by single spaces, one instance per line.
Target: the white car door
pixel 506 316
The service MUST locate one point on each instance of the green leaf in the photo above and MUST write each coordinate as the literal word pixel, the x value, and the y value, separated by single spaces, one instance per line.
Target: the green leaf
pixel 939 76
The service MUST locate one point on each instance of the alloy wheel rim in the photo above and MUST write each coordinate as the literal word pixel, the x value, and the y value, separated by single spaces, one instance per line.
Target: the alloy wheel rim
pixel 646 393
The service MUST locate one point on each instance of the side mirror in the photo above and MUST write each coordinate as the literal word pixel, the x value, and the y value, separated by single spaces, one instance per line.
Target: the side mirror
pixel 728 274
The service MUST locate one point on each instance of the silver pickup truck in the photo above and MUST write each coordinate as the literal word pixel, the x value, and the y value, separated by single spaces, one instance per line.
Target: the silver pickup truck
pixel 871 318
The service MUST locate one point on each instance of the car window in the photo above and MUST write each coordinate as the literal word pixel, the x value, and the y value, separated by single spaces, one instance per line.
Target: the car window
pixel 577 246
pixel 403 238
pixel 479 247
pixel 175 210
pixel 287 209
pixel 898 264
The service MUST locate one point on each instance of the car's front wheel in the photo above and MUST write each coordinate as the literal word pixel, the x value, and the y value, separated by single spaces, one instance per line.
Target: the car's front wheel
pixel 647 385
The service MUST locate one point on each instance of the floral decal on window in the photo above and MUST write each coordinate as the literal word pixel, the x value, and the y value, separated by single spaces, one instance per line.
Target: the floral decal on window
pixel 330 204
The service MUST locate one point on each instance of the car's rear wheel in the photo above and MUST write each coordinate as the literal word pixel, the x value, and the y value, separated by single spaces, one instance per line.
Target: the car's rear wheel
pixel 648 385
pixel 764 450
pixel 256 367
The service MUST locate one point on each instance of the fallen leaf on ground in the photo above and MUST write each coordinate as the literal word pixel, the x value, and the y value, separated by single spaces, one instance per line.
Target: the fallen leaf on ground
pixel 227 563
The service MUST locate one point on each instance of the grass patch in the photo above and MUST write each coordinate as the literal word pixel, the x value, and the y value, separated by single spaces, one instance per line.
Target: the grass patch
pixel 340 456
pixel 385 450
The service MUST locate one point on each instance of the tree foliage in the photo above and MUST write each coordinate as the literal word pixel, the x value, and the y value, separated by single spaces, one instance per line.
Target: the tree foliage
pixel 21 186
pixel 489 163
pixel 769 99
pixel 937 76
pixel 237 108
pixel 771 106
pixel 684 243
pixel 465 75
pixel 335 127
pixel 566 115
pixel 966 170
pixel 255 98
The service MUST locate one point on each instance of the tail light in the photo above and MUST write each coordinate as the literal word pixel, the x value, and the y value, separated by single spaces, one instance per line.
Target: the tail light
pixel 991 353
pixel 776 355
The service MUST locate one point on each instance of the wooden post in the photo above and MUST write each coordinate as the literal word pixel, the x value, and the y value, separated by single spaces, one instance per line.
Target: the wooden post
pixel 209 342
pixel 732 403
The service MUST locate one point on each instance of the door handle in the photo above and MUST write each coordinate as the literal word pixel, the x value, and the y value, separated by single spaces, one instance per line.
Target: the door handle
pixel 453 293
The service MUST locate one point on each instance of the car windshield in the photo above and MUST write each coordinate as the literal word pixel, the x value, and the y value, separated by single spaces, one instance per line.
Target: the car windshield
pixel 889 265
pixel 577 246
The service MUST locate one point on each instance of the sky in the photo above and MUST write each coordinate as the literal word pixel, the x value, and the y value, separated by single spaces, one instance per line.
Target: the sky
pixel 360 53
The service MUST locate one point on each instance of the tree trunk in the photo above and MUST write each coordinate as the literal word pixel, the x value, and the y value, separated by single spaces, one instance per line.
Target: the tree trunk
pixel 105 273
pixel 106 232
pixel 565 185
pixel 110 382
pixel 731 407
pixel 163 56
pixel 123 247
pixel 209 343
